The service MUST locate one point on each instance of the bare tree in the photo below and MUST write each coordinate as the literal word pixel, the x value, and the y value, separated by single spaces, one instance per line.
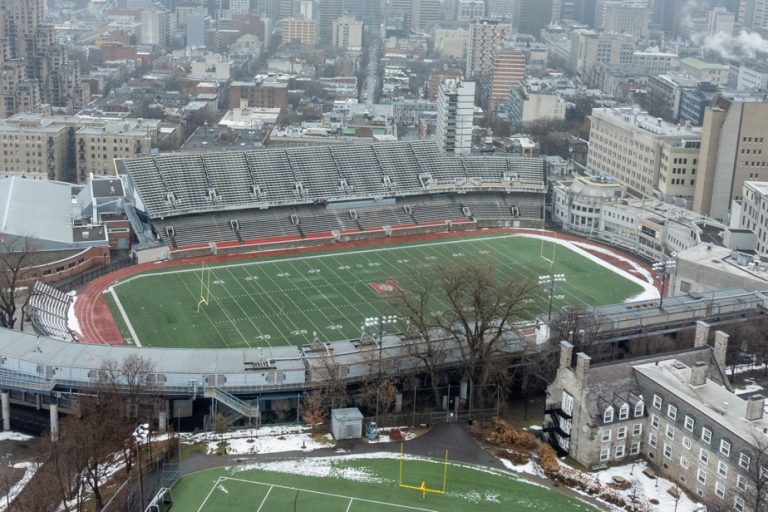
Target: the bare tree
pixel 426 341
pixel 330 375
pixel 16 255
pixel 475 310
pixel 757 474
pixel 314 408
pixel 582 326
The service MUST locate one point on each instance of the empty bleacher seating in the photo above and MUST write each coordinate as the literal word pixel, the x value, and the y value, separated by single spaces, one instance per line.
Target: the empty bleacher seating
pixel 47 309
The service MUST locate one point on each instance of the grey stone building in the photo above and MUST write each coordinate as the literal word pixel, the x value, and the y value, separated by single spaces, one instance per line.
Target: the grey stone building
pixel 676 410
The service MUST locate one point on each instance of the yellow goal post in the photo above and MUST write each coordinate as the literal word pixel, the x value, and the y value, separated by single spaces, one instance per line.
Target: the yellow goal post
pixel 423 486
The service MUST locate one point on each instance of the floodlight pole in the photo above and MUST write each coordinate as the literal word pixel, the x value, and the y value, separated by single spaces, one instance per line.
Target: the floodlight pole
pixel 551 280
pixel 373 322
pixel 663 268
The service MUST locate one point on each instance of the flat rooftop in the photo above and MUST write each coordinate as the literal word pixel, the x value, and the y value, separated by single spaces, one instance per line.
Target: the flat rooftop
pixel 633 118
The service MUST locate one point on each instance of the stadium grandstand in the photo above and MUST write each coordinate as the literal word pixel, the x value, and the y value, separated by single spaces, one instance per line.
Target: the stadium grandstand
pixel 241 198
pixel 47 309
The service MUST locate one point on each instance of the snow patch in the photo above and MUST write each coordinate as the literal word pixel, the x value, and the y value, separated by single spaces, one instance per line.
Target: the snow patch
pixel 30 468
pixel 72 322
pixel 271 439
pixel 14 436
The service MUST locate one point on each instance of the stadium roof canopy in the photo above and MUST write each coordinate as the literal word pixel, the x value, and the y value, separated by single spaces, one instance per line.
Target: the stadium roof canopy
pixel 44 211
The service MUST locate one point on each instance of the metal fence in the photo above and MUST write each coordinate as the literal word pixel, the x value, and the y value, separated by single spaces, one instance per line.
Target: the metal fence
pixel 89 275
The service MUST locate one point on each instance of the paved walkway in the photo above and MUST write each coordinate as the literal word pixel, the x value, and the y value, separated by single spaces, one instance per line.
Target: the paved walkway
pixel 455 437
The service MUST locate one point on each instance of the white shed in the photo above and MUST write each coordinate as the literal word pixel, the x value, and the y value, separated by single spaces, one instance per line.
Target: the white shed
pixel 347 423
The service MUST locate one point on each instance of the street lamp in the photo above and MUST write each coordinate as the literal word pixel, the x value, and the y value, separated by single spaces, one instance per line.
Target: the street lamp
pixel 141 434
pixel 550 281
pixel 663 269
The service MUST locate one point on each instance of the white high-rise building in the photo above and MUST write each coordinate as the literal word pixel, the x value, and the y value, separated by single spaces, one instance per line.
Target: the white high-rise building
pixel 455 109
pixel 239 7
pixel 347 33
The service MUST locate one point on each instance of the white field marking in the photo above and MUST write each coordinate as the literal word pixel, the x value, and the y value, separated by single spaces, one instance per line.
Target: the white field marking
pixel 407 507
pixel 250 296
pixel 265 498
pixel 316 256
pixel 351 283
pixel 239 304
pixel 207 497
pixel 350 504
pixel 217 300
pixel 125 317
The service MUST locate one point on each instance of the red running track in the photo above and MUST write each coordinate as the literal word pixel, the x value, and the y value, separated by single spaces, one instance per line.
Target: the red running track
pixel 98 326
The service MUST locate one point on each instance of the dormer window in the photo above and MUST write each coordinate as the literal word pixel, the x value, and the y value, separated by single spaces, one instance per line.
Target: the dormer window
pixel 608 415
pixel 639 408
pixel 624 412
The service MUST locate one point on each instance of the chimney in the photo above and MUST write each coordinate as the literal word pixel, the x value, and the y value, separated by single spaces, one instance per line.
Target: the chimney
pixel 721 346
pixel 582 366
pixel 702 333
pixel 566 354
pixel 699 374
pixel 755 405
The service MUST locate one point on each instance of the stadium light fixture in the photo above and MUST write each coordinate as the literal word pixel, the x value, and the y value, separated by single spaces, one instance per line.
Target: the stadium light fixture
pixel 550 281
pixel 663 269
pixel 380 321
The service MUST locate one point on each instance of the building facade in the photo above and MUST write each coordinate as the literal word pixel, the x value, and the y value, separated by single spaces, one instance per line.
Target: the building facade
pixel 347 33
pixel 455 111
pixel 485 38
pixel 675 410
pixel 299 30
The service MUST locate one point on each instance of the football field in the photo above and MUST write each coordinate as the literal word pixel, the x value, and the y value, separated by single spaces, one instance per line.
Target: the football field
pixel 363 485
pixel 291 299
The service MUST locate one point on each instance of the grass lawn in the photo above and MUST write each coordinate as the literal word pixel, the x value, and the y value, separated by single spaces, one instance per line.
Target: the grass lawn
pixel 279 301
pixel 362 485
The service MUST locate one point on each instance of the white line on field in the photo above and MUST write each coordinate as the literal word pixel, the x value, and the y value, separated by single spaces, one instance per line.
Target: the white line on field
pixel 265 499
pixel 125 317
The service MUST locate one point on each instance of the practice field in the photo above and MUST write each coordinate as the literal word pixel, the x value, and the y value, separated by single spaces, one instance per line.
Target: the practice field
pixel 362 485
pixel 286 300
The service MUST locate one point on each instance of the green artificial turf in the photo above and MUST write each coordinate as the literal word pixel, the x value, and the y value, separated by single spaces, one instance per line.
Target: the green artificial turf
pixel 286 300
pixel 363 485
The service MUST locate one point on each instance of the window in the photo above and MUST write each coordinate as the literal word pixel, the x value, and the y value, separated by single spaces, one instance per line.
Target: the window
pixel 720 489
pixel 639 408
pixel 620 451
pixel 701 476
pixel 657 402
pixel 637 429
pixel 722 468
pixel 725 448
pixel 670 432
pixel 667 451
pixel 672 412
pixel 624 412
pixel 706 435
pixel 608 415
pixel 704 456
pixel 622 433
pixel 741 483
pixel 604 454
pixel 654 421
pixel 738 504
pixel 634 448
pixel 688 425
pixel 652 440
pixel 684 462
pixel 744 460
pixel 606 436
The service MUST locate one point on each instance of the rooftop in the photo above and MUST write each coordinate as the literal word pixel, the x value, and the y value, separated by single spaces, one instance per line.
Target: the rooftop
pixel 715 401
pixel 632 118
pixel 701 65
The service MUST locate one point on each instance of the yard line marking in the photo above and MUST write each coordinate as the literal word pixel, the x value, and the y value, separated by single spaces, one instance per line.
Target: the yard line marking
pixel 218 301
pixel 265 499
pixel 316 256
pixel 350 504
pixel 344 318
pixel 245 313
pixel 215 485
pixel 125 317
pixel 395 505
pixel 205 313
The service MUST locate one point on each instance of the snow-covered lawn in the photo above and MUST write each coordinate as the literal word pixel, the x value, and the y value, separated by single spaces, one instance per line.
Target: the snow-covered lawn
pixel 30 468
pixel 407 432
pixel 14 436
pixel 643 487
pixel 271 439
